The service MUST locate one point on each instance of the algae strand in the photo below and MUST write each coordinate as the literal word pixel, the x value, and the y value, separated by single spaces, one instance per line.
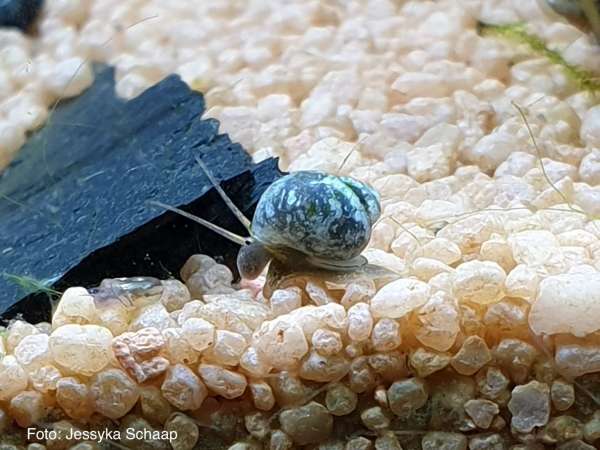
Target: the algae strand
pixel 584 79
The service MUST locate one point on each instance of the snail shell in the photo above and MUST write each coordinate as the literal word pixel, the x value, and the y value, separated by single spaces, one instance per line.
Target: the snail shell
pixel 320 215
pixel 567 7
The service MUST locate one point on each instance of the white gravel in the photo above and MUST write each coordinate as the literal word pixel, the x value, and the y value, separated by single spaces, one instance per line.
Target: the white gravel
pixel 416 103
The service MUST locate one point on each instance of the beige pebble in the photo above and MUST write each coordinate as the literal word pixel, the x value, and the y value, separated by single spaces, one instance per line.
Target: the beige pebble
pixel 530 406
pixel 13 378
pixel 223 382
pixel 398 298
pixel 479 282
pixel 567 304
pixel 183 389
pixel 84 349
pixel 472 356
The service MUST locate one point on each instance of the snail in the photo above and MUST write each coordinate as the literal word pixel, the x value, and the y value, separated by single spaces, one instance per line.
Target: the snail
pixel 306 220
pixel 588 10
pixel 128 291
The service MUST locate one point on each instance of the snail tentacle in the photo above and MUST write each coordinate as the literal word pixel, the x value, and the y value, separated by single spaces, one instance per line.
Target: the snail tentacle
pixel 232 207
pixel 211 226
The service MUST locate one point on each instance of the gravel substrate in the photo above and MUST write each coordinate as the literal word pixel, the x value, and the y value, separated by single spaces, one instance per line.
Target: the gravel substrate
pixel 490 336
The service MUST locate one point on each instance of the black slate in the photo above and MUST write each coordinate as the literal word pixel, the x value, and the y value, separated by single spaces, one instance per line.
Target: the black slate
pixel 19 13
pixel 73 206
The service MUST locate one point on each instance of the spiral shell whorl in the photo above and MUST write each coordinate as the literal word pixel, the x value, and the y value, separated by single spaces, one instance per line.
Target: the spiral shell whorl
pixel 367 196
pixel 318 214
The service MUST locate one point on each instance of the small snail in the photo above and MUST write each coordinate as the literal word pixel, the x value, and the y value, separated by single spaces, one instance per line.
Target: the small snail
pixel 588 10
pixel 125 290
pixel 306 219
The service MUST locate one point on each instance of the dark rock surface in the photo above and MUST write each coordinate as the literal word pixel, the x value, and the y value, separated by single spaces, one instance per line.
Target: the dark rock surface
pixel 19 13
pixel 73 206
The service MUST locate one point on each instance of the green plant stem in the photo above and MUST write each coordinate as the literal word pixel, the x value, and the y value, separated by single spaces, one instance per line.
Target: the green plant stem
pixel 585 79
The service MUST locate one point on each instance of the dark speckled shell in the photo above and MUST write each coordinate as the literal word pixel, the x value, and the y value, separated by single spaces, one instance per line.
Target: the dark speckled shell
pixel 318 214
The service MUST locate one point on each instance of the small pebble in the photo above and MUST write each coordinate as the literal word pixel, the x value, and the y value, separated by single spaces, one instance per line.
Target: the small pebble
pixel 223 382
pixel 13 378
pixel 387 441
pixel 407 396
pixel 154 405
pixel 74 398
pixel 561 429
pixel 84 349
pixel 398 298
pixel 490 442
pixel 386 335
pixel 327 342
pixel 530 406
pixel 340 400
pixel 359 443
pixel 591 429
pixel 113 393
pixel 199 333
pixel 479 282
pixel 284 301
pixel 257 424
pixel 426 362
pixel 262 395
pixel 27 408
pixel 360 322
pixel 517 357
pixel 375 419
pixel 308 424
pixel 472 356
pixel 562 395
pixel 280 441
pixel 183 389
pixel 438 440
pixel 492 382
pixel 482 412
